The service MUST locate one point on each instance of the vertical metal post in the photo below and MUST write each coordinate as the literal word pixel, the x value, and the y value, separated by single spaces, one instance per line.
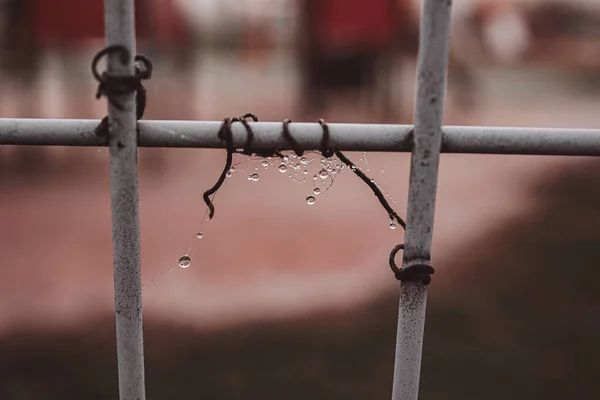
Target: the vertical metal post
pixel 119 24
pixel 431 87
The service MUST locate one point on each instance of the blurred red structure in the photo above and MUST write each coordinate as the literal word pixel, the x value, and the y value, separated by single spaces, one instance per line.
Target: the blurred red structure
pixel 68 22
pixel 34 25
pixel 345 43
pixel 354 23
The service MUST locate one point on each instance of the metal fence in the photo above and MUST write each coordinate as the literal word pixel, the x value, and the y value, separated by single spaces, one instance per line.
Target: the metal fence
pixel 426 139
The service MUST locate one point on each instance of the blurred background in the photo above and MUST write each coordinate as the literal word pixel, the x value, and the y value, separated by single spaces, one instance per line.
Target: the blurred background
pixel 285 299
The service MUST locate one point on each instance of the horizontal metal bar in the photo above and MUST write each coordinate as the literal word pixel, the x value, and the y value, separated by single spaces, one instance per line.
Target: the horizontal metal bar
pixel 359 137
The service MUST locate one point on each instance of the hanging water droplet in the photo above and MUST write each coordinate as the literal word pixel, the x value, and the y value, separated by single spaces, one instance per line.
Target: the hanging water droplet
pixel 315 177
pixel 297 166
pixel 304 160
pixel 392 225
pixel 228 174
pixel 323 174
pixel 317 191
pixel 310 200
pixel 282 168
pixel 286 159
pixel 383 171
pixel 199 235
pixel 265 163
pixel 305 172
pixel 232 169
pixel 353 168
pixel 185 261
pixel 254 177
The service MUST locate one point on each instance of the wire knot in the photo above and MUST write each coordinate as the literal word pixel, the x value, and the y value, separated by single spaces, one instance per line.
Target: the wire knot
pixel 413 272
pixel 111 85
pixel 326 151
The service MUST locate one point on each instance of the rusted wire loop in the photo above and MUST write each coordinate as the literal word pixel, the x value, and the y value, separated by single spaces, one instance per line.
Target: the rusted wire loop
pixel 325 149
pixel 111 85
pixel 250 134
pixel 288 136
pixel 414 272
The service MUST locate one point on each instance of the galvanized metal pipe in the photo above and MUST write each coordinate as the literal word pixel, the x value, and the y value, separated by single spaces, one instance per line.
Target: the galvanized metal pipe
pixel 359 137
pixel 431 89
pixel 119 20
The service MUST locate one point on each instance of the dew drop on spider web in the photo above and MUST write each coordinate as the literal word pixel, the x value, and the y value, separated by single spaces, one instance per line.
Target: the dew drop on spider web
pixel 317 191
pixel 304 160
pixel 282 168
pixel 199 235
pixel 253 177
pixel 323 174
pixel 185 261
pixel 310 200
pixel 265 163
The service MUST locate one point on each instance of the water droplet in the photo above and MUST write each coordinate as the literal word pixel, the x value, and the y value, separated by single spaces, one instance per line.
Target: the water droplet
pixel 286 159
pixel 317 191
pixel 232 169
pixel 383 171
pixel 253 177
pixel 282 168
pixel 304 160
pixel 228 174
pixel 185 261
pixel 265 163
pixel 310 200
pixel 199 235
pixel 305 172
pixel 315 177
pixel 297 166
pixel 353 168
pixel 392 225
pixel 323 174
